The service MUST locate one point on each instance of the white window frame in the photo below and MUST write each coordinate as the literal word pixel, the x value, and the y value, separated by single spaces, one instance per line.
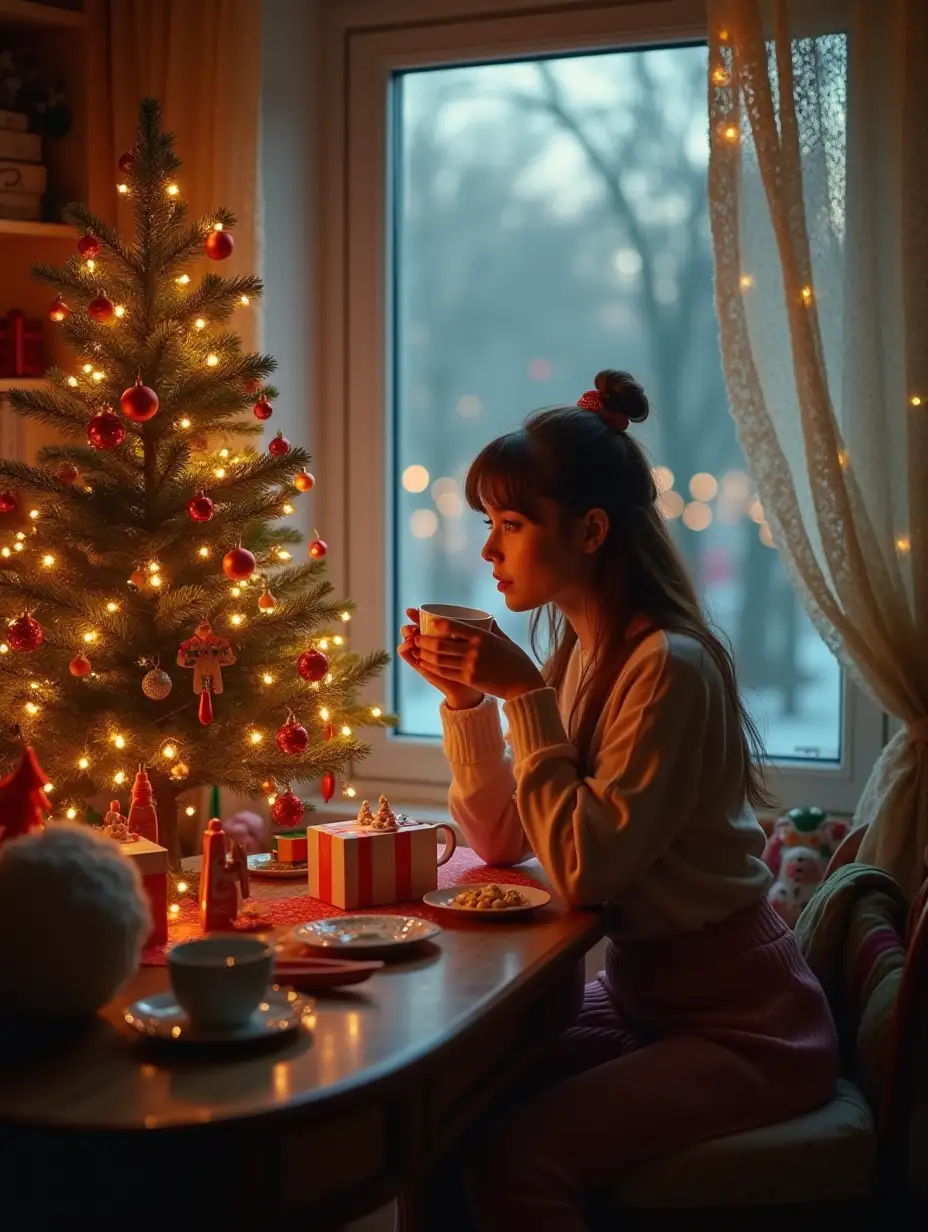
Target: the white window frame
pixel 363 43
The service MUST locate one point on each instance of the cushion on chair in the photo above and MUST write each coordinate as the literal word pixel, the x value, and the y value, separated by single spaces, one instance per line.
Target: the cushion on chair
pixel 825 1156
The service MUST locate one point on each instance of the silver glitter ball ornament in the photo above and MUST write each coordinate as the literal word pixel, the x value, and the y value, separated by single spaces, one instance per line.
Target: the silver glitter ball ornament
pixel 157 684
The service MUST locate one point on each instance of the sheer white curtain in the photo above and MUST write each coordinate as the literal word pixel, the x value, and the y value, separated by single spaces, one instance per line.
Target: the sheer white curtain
pixel 818 184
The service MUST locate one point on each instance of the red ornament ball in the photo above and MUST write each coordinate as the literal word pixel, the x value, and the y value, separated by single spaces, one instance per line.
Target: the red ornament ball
pixel 312 665
pixel 218 245
pixel 318 549
pixel 67 473
pixel 24 634
pixel 327 783
pixel 287 809
pixel 292 738
pixel 138 402
pixel 238 565
pixel 198 444
pixel 105 431
pixel 262 408
pixel 89 246
pixel 59 310
pixel 101 309
pixel 80 666
pixel 251 384
pixel 200 508
pixel 8 502
pixel 279 446
pixel 126 162
pixel 304 481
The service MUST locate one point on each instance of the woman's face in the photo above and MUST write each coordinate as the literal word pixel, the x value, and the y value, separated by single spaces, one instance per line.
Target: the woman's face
pixel 549 561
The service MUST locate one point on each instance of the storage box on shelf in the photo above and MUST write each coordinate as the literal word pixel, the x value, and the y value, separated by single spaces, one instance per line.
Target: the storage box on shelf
pixel 38 174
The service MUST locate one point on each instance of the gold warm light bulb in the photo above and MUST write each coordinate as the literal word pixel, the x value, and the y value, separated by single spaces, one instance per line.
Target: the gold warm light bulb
pixel 83 763
pixel 182 280
pixel 376 712
pixel 169 751
pixel 346 730
pixel 212 361
pixel 256 737
pixel 172 190
pixel 119 777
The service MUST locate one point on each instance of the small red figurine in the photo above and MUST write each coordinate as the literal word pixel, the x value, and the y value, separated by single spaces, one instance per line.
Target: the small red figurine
pixel 223 880
pixel 22 798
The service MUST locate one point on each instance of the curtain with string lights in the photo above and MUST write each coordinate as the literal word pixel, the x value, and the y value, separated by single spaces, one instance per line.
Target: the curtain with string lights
pixel 202 62
pixel 818 185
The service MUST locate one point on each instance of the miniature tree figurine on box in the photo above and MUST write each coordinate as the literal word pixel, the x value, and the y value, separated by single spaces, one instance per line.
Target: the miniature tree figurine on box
pixel 23 802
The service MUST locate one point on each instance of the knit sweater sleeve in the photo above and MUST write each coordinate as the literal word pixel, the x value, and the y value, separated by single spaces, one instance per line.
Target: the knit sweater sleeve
pixel 596 834
pixel 482 796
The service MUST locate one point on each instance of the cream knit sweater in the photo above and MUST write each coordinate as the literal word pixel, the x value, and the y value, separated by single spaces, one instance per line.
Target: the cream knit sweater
pixel 660 828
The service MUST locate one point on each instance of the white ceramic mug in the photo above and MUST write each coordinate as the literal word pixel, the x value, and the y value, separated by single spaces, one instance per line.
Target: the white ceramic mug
pixel 430 612
pixel 220 980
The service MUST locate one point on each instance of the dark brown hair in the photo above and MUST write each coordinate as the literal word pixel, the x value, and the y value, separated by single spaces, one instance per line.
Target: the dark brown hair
pixel 583 460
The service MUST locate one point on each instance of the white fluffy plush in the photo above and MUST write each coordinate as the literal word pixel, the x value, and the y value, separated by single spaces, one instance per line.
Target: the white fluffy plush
pixel 73 920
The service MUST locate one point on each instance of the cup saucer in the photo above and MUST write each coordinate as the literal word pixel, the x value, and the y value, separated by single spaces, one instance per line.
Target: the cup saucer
pixel 161 1017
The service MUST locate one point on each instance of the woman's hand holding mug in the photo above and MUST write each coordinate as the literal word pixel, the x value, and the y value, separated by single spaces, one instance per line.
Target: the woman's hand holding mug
pixel 458 696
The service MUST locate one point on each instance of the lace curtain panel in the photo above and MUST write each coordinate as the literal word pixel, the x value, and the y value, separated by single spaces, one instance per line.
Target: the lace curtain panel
pixel 818 185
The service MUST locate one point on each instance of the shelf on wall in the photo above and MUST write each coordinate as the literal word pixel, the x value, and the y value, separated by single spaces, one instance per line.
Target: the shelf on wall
pixel 21 382
pixel 44 230
pixel 25 13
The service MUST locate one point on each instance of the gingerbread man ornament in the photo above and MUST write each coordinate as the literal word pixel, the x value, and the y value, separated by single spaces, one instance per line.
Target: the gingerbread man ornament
pixel 207 654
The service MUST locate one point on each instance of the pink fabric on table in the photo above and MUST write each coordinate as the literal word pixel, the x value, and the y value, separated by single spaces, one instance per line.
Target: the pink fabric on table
pixel 283 909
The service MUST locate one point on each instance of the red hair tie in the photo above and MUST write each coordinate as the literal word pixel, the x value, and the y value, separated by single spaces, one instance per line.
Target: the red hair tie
pixel 592 400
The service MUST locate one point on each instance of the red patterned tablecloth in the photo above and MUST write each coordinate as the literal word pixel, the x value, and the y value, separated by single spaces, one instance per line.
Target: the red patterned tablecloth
pixel 285 903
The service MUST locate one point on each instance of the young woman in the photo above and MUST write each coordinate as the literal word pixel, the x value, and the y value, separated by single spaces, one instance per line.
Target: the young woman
pixel 633 772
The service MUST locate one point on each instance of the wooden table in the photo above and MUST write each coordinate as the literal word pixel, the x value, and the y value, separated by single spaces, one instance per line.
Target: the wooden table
pixel 325 1128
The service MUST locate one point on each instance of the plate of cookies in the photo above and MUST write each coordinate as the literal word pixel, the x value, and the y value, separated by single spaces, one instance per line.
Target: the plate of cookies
pixel 488 901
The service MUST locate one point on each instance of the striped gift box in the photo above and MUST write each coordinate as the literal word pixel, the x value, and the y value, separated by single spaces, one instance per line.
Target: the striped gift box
pixel 352 866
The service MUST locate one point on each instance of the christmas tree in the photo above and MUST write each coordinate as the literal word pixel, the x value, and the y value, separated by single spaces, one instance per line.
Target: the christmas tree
pixel 155 543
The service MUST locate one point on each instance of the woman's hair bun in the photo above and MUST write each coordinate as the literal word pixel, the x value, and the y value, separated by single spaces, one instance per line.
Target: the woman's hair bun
pixel 622 395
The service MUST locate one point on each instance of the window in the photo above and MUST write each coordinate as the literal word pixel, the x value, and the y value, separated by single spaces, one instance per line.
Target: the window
pixel 537 217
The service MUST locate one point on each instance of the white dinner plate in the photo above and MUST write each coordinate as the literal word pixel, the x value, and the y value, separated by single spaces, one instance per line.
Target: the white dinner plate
pixel 161 1017
pixel 365 934
pixel 534 896
pixel 263 864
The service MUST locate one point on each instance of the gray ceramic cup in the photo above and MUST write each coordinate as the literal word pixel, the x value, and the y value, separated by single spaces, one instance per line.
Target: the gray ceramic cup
pixel 219 981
